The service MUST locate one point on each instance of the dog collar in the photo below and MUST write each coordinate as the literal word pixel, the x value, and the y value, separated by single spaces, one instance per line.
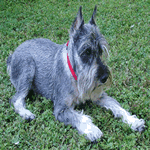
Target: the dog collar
pixel 70 66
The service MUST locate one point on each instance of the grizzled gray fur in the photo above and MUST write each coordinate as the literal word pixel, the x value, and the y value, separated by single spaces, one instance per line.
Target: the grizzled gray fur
pixel 41 65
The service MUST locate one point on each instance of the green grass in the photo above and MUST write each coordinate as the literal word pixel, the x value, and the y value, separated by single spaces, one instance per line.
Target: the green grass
pixel 125 25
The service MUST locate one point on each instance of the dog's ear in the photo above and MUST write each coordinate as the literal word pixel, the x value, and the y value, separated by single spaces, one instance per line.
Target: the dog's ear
pixel 92 20
pixel 78 22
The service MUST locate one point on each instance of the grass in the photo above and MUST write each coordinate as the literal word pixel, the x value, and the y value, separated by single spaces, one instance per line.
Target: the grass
pixel 125 25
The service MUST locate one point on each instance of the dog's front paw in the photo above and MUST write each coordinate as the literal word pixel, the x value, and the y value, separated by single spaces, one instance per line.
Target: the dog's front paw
pixel 87 127
pixel 93 132
pixel 136 124
pixel 26 114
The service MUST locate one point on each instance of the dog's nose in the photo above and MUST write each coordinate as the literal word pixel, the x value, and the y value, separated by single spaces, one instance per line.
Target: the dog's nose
pixel 104 77
pixel 102 74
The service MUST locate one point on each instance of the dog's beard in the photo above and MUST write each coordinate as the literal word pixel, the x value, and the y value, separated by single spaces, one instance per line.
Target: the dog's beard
pixel 97 92
pixel 89 86
pixel 108 83
pixel 86 82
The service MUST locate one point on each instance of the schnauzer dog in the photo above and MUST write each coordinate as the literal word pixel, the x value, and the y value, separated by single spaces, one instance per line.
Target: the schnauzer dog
pixel 68 74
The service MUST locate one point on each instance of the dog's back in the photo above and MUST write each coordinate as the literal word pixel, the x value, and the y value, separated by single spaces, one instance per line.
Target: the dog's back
pixel 39 46
pixel 35 46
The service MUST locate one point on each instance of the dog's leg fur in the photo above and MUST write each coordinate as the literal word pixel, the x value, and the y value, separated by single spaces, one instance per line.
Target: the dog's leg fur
pixel 110 103
pixel 81 122
pixel 21 73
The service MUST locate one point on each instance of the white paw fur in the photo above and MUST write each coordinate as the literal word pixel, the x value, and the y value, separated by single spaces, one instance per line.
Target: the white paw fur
pixel 85 126
pixel 26 114
pixel 136 124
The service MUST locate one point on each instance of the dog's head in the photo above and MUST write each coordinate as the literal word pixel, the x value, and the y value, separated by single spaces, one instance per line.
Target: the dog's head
pixel 87 49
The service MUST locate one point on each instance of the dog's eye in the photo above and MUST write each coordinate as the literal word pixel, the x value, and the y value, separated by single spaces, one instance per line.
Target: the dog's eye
pixel 88 52
pixel 87 56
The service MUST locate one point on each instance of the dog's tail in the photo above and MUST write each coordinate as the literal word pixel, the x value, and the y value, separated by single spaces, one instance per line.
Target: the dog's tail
pixel 9 64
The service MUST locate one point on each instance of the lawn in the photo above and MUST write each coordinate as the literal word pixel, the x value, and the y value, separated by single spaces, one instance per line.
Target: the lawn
pixel 125 25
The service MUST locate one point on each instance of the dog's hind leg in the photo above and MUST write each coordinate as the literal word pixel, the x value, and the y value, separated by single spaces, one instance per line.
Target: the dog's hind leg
pixel 81 122
pixel 110 103
pixel 22 74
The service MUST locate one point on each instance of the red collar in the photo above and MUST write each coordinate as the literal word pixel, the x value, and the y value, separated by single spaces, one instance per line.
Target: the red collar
pixel 70 67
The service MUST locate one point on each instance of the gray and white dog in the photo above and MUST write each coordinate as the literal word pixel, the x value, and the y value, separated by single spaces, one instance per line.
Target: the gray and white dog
pixel 67 74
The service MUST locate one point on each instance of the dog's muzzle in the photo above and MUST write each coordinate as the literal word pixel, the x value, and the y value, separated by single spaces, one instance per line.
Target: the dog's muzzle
pixel 102 73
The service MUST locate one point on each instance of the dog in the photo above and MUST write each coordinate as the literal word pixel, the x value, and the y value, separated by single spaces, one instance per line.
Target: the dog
pixel 68 74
